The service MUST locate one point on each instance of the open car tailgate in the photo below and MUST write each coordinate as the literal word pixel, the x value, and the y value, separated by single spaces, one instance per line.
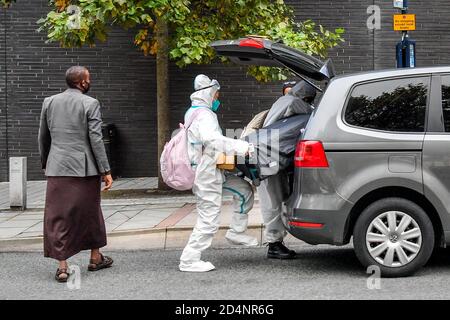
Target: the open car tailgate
pixel 264 52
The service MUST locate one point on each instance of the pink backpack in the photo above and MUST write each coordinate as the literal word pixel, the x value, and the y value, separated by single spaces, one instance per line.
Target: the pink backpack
pixel 176 169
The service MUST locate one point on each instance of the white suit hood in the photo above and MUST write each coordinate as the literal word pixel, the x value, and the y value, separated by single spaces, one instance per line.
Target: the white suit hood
pixel 205 89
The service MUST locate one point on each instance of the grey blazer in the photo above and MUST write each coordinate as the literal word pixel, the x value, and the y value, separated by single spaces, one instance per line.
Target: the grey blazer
pixel 70 136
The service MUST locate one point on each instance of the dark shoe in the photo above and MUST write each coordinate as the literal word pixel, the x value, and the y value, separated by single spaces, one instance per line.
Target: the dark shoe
pixel 105 263
pixel 277 250
pixel 61 275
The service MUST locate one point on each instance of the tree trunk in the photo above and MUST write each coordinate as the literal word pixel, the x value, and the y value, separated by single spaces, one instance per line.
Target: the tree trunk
pixel 162 91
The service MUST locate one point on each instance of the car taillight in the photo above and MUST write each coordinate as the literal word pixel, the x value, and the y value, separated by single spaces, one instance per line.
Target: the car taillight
pixel 310 154
pixel 308 225
pixel 249 42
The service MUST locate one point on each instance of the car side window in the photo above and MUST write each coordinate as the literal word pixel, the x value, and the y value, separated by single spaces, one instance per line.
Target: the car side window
pixel 446 102
pixel 390 105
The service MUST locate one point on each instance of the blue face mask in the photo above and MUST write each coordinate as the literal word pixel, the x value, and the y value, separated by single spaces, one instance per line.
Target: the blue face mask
pixel 215 105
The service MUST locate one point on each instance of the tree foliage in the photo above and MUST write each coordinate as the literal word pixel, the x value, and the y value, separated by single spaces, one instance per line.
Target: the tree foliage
pixel 6 3
pixel 193 25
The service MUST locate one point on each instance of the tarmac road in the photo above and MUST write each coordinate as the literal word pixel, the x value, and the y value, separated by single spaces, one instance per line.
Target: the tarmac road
pixel 320 272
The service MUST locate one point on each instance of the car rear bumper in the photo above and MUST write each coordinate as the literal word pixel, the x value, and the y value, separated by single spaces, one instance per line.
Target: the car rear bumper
pixel 318 226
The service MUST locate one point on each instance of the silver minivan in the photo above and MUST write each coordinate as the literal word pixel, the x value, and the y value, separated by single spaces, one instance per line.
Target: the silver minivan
pixel 373 163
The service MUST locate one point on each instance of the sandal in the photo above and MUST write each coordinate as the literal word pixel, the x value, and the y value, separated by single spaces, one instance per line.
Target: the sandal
pixel 60 272
pixel 105 263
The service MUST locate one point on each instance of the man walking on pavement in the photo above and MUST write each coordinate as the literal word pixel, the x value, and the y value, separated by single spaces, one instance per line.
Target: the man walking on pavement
pixel 74 160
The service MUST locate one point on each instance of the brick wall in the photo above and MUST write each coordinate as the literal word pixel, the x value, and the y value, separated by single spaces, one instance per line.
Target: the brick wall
pixel 124 80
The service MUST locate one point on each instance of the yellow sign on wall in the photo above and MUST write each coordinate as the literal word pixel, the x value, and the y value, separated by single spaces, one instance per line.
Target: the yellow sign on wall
pixel 404 22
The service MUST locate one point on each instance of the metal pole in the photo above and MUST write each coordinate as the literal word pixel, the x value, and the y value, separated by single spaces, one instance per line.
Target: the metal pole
pixel 6 94
pixel 405 11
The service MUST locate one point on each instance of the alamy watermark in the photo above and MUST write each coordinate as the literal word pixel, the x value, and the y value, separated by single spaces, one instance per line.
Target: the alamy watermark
pixel 373 22
pixel 374 19
pixel 74 20
pixel 74 280
pixel 374 280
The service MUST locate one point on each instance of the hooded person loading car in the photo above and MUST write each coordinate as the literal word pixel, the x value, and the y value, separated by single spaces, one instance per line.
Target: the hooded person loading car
pixel 273 190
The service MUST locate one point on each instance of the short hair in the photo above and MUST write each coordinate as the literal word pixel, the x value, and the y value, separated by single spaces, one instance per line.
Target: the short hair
pixel 289 84
pixel 74 75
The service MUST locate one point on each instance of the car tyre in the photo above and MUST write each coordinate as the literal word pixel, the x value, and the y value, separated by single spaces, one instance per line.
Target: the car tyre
pixel 367 236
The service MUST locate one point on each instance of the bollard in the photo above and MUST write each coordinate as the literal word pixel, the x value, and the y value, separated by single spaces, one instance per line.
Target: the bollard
pixel 18 183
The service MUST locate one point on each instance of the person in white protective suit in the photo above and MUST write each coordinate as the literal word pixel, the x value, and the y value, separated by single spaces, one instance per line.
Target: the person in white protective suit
pixel 206 142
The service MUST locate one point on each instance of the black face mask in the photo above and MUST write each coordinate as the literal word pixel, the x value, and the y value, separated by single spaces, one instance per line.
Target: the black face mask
pixel 86 88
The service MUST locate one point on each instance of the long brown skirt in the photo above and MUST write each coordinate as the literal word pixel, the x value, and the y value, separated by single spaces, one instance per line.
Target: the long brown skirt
pixel 73 219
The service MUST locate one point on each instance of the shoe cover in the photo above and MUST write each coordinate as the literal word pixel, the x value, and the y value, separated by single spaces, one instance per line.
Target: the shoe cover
pixel 198 266
pixel 241 239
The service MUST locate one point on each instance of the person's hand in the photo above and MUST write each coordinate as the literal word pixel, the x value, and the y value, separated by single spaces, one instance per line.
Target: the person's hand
pixel 251 150
pixel 108 180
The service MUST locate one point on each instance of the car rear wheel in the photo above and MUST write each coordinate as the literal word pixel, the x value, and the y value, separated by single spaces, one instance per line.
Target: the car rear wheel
pixel 394 234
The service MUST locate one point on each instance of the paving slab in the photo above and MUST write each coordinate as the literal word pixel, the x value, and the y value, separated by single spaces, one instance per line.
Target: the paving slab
pixel 117 219
pixel 160 213
pixel 37 217
pixel 38 227
pixel 107 214
pixel 9 214
pixel 110 227
pixel 16 223
pixel 129 213
pixel 30 234
pixel 137 225
pixel 177 216
pixel 8 233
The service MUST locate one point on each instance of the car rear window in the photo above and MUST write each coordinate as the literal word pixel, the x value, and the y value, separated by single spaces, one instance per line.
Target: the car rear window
pixel 446 102
pixel 390 105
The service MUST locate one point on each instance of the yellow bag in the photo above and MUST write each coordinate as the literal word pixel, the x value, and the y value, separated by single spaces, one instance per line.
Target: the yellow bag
pixel 225 162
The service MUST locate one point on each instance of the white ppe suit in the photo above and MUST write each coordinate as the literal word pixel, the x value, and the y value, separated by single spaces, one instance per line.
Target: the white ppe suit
pixel 205 143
